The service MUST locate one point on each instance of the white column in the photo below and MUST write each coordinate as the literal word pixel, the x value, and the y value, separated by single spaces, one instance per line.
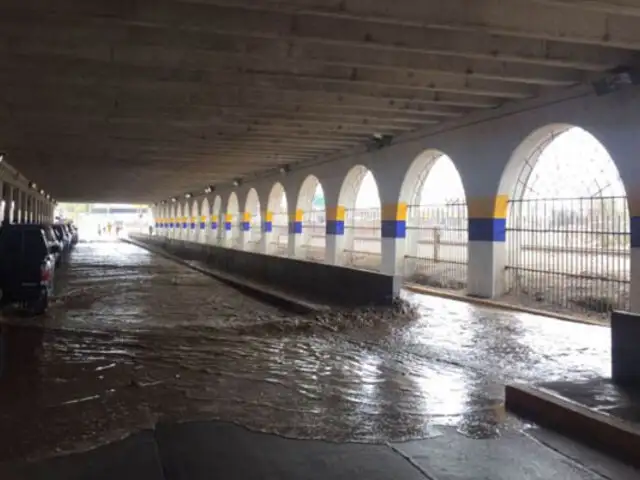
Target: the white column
pixel 267 231
pixel 487 246
pixel 295 234
pixel 393 232
pixel 245 230
pixel 335 235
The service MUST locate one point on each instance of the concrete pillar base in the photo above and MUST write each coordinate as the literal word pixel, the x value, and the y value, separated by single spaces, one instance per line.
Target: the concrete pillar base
pixel 486 278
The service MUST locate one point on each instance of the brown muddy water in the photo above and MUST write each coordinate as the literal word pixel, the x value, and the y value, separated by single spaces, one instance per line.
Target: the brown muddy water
pixel 133 339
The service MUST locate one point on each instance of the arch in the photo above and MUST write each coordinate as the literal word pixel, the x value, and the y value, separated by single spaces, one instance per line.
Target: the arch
pixel 277 205
pixel 361 200
pixel 232 221
pixel 314 225
pixel 437 222
pixel 252 208
pixel 568 226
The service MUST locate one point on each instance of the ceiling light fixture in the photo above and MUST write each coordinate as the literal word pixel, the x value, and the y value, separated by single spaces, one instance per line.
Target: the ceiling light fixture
pixel 187 195
pixel 236 182
pixel 174 199
pixel 209 189
pixel 1 157
pixel 41 192
pixel 284 169
pixel 32 185
pixel 48 196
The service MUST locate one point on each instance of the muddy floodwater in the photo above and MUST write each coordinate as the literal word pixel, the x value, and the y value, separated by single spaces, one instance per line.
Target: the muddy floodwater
pixel 133 339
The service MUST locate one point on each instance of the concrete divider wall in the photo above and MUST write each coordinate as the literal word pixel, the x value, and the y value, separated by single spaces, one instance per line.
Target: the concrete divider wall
pixel 317 282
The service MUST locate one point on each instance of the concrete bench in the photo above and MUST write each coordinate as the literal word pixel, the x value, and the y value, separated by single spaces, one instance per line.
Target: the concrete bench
pixel 625 347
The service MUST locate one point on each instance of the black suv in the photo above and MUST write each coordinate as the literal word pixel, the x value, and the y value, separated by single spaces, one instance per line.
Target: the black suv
pixel 27 265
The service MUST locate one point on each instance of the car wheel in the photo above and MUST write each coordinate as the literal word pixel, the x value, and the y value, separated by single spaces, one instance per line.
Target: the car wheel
pixel 40 305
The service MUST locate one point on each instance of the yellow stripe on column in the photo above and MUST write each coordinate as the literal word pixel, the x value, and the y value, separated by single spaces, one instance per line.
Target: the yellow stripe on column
pixel 246 217
pixel 203 219
pixel 228 217
pixel 268 216
pixel 296 216
pixel 335 213
pixel 396 212
pixel 488 207
pixel 214 218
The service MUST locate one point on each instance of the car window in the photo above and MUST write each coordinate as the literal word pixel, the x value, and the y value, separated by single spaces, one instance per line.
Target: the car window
pixel 34 241
pixel 48 234
pixel 11 241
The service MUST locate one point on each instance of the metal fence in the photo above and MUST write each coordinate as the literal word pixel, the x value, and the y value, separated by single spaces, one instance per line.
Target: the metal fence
pixel 436 248
pixel 362 238
pixel 280 234
pixel 255 233
pixel 314 228
pixel 569 253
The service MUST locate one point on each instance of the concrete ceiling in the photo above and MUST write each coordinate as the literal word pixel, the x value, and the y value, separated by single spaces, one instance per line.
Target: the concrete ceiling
pixel 142 99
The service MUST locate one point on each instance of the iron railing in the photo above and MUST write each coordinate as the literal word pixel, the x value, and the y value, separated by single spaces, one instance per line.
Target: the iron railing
pixel 314 228
pixel 280 234
pixel 569 253
pixel 362 238
pixel 437 245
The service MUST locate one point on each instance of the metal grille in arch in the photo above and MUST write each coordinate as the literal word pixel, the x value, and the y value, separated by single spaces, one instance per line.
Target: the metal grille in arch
pixel 568 231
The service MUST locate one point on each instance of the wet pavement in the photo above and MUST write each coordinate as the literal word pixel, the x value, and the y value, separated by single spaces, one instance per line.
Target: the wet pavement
pixel 134 339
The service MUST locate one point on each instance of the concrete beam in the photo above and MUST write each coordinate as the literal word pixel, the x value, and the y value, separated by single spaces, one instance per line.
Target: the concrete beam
pixel 600 23
pixel 178 18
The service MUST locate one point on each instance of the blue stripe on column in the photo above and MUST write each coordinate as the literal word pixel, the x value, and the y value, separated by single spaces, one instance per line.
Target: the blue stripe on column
pixel 171 225
pixel 214 225
pixel 227 226
pixel 394 229
pixel 184 225
pixel 246 226
pixel 335 227
pixel 635 232
pixel 268 227
pixel 295 227
pixel 487 229
pixel 193 225
pixel 203 225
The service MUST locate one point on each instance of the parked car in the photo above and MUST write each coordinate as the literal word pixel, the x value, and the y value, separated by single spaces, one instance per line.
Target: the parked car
pixel 27 266
pixel 62 235
pixel 73 230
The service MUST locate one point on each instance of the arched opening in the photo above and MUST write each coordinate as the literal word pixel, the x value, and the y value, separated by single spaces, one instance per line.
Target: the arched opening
pixel 568 228
pixel 362 243
pixel 194 221
pixel 314 221
pixel 437 223
pixel 203 221
pixel 277 205
pixel 232 221
pixel 252 208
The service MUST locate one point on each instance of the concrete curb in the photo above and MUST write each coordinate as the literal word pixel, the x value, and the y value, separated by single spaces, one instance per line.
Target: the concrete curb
pixel 269 295
pixel 485 302
pixel 600 431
